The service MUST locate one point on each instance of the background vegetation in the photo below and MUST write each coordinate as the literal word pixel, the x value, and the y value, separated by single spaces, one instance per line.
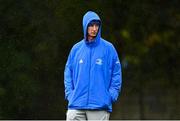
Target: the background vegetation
pixel 36 37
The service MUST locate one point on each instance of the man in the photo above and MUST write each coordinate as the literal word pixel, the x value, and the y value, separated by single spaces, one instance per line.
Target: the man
pixel 92 75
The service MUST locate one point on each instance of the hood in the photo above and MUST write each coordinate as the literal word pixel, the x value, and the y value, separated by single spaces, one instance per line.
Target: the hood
pixel 88 17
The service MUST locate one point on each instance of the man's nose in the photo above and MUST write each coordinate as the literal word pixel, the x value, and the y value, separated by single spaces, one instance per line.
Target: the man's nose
pixel 94 27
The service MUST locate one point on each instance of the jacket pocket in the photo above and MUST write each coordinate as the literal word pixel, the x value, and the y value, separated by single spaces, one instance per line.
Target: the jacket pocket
pixel 110 98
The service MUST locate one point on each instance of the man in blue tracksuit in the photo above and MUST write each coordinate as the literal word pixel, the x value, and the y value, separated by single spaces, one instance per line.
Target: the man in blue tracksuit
pixel 92 75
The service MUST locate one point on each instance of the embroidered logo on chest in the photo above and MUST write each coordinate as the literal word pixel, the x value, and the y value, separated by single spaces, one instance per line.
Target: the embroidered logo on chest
pixel 99 61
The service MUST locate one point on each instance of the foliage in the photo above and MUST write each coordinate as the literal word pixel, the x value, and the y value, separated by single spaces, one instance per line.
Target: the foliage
pixel 36 37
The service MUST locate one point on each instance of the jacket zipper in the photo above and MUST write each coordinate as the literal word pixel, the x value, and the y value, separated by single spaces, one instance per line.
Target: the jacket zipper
pixel 89 76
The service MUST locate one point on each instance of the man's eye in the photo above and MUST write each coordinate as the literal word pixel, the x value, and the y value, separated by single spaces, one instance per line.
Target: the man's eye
pixel 91 25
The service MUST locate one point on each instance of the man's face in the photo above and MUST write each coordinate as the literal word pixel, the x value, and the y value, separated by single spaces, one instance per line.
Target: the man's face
pixel 93 29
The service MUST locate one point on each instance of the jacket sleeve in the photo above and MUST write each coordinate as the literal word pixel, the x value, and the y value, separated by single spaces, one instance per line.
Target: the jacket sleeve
pixel 116 77
pixel 68 82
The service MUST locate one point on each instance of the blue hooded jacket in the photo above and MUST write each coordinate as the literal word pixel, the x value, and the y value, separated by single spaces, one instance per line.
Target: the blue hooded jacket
pixel 92 75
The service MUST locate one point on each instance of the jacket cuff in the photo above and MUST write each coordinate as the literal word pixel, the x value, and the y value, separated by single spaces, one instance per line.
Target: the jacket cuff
pixel 113 96
pixel 69 96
